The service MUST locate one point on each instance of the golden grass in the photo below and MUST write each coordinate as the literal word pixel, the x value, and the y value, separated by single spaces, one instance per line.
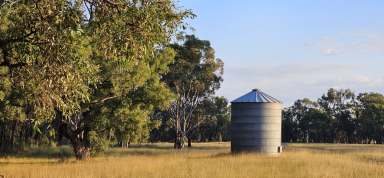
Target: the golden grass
pixel 208 160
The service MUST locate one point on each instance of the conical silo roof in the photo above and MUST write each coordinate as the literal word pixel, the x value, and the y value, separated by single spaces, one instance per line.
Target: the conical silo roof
pixel 256 96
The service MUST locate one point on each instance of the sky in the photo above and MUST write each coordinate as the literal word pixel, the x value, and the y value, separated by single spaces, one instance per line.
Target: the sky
pixel 294 49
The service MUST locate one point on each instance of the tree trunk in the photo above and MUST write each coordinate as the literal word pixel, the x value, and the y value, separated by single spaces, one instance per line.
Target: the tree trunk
pixel 81 146
pixel 125 144
pixel 82 152
pixel 179 141
pixel 79 137
pixel 189 142
pixel 220 137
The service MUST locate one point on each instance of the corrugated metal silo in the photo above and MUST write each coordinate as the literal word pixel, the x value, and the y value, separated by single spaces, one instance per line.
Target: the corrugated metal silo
pixel 256 123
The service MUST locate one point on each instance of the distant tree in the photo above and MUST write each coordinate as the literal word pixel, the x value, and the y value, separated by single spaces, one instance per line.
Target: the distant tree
pixel 222 115
pixel 340 106
pixel 371 118
pixel 289 126
pixel 194 76
pixel 317 123
pixel 296 122
pixel 216 115
pixel 164 129
pixel 337 117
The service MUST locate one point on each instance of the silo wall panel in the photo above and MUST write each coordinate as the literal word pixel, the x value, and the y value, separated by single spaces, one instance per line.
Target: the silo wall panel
pixel 256 127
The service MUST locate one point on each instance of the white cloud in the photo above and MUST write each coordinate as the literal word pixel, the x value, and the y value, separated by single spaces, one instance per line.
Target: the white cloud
pixel 289 82
pixel 358 67
pixel 349 44
pixel 329 51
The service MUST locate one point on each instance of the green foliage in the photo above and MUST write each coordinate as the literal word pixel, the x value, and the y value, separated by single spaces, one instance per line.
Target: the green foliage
pixel 371 116
pixel 195 74
pixel 43 47
pixel 338 116
pixel 216 114
pixel 97 142
pixel 130 125
pixel 196 70
pixel 74 62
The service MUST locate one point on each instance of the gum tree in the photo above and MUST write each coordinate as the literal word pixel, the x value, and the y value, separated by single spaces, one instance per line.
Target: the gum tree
pixel 68 60
pixel 195 75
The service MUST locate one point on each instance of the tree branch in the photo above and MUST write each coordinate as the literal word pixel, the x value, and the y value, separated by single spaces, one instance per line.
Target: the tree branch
pixel 104 99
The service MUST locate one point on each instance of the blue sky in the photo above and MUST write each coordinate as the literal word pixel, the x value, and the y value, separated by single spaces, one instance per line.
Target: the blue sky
pixel 294 49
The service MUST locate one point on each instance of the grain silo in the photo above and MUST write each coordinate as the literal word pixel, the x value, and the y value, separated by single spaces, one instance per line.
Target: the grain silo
pixel 256 123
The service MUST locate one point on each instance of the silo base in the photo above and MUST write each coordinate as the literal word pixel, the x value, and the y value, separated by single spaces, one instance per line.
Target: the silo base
pixel 266 151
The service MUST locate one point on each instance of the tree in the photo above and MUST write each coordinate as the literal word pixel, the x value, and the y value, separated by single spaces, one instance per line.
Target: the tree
pixel 65 59
pixel 316 123
pixel 337 117
pixel 216 115
pixel 45 59
pixel 296 121
pixel 339 105
pixel 371 117
pixel 195 75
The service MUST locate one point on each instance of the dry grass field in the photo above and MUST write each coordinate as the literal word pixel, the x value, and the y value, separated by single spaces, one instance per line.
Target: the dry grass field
pixel 203 160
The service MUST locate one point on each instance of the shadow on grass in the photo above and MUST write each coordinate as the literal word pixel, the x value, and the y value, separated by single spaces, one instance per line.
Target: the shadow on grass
pixel 222 155
pixel 133 152
pixel 50 155
pixel 205 148
pixel 169 146
pixel 372 159
pixel 60 161
pixel 335 148
pixel 160 149
pixel 61 152
pixel 166 146
pixel 65 152
pixel 215 150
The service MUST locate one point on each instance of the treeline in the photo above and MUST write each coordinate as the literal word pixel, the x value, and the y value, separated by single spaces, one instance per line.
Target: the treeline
pixel 339 116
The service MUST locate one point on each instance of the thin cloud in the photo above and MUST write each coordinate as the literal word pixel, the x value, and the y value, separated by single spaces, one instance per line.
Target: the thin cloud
pixel 329 51
pixel 290 82
pixel 349 44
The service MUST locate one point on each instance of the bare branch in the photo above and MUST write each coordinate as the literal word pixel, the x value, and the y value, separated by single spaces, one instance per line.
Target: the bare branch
pixel 104 99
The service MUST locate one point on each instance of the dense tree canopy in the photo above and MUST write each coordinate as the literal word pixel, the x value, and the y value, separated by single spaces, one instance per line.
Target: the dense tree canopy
pixel 215 113
pixel 77 61
pixel 337 117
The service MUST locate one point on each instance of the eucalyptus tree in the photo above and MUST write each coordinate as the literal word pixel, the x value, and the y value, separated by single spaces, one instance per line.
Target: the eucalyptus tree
pixel 195 75
pixel 340 106
pixel 337 117
pixel 45 60
pixel 216 114
pixel 296 122
pixel 64 60
pixel 371 118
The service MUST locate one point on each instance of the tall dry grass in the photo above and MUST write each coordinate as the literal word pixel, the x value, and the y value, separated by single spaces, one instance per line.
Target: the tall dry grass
pixel 208 160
